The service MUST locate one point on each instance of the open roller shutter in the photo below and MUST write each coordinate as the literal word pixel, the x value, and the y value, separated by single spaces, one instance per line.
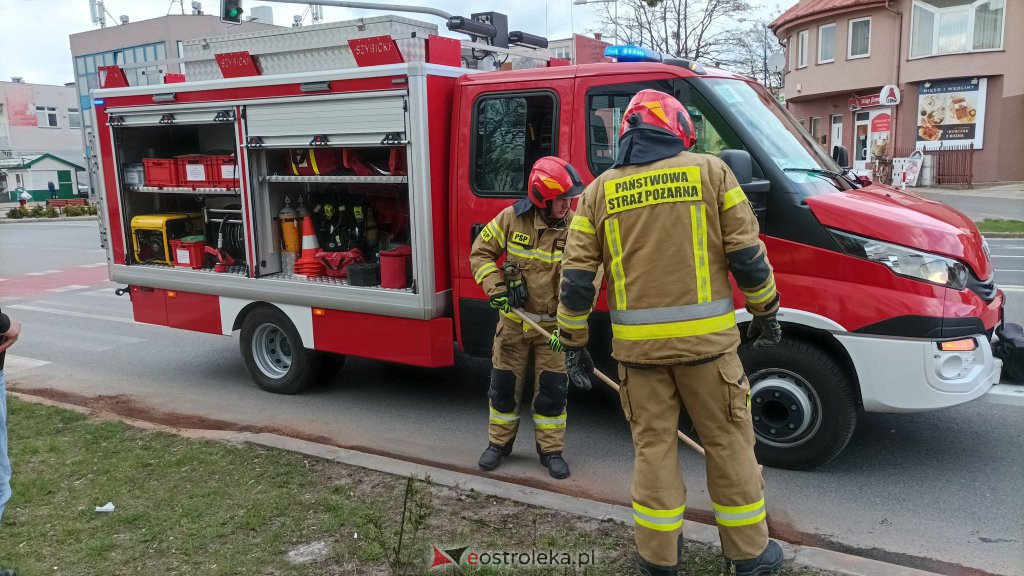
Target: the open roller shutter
pixel 358 120
pixel 170 117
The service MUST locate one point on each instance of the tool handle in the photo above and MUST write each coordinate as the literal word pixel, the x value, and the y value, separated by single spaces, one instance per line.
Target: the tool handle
pixel 604 378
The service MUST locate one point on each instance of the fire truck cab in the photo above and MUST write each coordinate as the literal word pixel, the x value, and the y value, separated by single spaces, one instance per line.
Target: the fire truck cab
pixel 888 299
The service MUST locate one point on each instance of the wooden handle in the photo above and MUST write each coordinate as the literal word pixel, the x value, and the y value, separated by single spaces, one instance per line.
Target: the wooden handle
pixel 604 378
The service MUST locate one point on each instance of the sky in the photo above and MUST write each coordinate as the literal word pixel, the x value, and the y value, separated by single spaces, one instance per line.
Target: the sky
pixel 34 33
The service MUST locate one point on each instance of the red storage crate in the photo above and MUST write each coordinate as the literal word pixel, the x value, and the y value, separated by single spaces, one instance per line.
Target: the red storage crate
pixel 222 171
pixel 194 171
pixel 160 172
pixel 188 254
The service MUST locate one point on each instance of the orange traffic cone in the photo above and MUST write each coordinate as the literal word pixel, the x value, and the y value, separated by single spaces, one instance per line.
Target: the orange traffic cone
pixel 308 265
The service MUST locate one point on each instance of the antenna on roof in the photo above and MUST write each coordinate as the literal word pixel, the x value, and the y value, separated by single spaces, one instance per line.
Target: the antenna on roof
pixel 98 13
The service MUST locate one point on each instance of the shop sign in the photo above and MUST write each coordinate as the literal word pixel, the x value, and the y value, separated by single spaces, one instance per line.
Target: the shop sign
pixel 951 112
pixel 889 95
pixel 881 123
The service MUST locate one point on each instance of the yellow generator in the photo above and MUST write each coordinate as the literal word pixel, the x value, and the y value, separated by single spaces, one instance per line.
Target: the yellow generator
pixel 152 235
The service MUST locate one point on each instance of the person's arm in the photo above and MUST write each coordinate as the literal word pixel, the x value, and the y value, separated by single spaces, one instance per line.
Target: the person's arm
pixel 487 249
pixel 580 266
pixel 9 332
pixel 748 260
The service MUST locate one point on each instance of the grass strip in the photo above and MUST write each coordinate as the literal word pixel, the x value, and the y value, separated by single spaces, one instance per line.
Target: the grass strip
pixel 193 506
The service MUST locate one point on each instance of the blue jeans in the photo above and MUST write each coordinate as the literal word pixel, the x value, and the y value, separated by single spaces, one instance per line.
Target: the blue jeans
pixel 5 462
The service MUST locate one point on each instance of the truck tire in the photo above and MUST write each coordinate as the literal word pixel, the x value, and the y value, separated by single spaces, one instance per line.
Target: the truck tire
pixel 802 404
pixel 273 353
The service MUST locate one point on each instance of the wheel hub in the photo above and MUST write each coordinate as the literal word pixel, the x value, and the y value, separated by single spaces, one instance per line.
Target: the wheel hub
pixel 272 351
pixel 783 407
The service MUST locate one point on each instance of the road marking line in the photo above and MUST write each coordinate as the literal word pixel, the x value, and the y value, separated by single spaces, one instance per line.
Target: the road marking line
pixel 1003 288
pixel 66 288
pixel 10 298
pixel 74 314
pixel 97 265
pixel 18 363
pixel 998 256
pixel 43 273
pixel 3 279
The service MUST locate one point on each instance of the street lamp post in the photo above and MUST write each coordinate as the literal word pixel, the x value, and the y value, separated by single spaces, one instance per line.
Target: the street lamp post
pixel 615 2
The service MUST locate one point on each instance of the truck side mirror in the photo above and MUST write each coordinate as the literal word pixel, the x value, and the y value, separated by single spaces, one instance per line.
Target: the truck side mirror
pixel 842 157
pixel 740 163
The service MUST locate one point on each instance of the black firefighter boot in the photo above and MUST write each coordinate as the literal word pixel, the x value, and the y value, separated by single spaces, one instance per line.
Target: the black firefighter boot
pixel 645 568
pixel 767 563
pixel 556 465
pixel 491 457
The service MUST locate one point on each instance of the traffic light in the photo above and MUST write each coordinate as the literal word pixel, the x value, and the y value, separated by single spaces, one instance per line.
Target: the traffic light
pixel 231 11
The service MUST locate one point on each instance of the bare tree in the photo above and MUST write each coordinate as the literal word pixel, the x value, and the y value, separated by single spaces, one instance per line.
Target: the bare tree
pixel 750 57
pixel 705 30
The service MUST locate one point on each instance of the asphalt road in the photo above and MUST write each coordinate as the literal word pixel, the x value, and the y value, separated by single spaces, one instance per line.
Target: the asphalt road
pixel 930 490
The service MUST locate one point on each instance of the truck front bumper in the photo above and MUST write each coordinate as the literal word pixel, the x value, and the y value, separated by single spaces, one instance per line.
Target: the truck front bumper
pixel 913 375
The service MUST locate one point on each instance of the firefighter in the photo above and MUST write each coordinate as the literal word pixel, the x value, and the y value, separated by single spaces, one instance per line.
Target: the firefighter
pixel 531 233
pixel 668 226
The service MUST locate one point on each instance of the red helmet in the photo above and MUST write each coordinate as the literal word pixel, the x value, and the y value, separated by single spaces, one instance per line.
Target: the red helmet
pixel 553 178
pixel 656 110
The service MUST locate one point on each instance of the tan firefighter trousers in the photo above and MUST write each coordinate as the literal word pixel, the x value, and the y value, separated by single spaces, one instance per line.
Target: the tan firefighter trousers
pixel 513 347
pixel 716 395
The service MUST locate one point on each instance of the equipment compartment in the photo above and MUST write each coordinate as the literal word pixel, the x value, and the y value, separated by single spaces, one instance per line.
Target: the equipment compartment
pixel 325 209
pixel 186 191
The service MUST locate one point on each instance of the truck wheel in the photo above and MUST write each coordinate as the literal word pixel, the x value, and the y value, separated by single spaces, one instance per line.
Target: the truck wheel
pixel 802 404
pixel 273 353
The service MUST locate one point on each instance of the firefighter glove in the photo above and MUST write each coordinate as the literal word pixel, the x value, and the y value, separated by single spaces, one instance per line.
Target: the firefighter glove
pixel 554 343
pixel 580 366
pixel 500 302
pixel 764 331
pixel 517 293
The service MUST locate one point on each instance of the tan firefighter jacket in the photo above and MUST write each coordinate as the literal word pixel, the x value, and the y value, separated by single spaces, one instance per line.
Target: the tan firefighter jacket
pixel 528 241
pixel 668 233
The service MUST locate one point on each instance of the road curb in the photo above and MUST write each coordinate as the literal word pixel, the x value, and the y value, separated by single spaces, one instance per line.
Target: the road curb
pixel 5 220
pixel 808 556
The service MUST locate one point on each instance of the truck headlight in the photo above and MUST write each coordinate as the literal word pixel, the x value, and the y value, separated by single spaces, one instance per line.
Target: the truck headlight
pixel 904 261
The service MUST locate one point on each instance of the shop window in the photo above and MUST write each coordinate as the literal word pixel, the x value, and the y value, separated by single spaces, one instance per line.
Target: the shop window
pixel 511 132
pixel 46 117
pixel 826 43
pixel 956 26
pixel 859 40
pixel 801 57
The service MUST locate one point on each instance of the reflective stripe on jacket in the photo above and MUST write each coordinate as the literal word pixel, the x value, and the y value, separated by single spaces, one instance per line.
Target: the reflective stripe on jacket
pixel 668 233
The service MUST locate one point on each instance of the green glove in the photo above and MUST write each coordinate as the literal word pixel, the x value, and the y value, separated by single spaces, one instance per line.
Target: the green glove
pixel 500 302
pixel 554 343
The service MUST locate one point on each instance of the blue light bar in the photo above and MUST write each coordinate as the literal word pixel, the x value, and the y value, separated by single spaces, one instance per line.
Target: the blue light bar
pixel 628 53
pixel 98 102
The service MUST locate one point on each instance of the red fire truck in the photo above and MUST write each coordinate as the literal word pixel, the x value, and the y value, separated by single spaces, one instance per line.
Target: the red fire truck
pixel 889 303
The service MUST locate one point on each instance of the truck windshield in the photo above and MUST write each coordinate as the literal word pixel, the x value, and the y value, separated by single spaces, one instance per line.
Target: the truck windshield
pixel 762 123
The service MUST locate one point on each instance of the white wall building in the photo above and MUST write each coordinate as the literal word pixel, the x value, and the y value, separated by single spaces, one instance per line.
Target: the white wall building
pixel 40 119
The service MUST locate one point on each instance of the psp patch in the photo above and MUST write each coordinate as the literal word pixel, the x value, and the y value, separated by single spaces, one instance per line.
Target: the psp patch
pixel 560 244
pixel 521 238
